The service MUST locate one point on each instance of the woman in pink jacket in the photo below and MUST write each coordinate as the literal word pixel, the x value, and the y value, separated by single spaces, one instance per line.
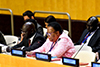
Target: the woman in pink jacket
pixel 58 43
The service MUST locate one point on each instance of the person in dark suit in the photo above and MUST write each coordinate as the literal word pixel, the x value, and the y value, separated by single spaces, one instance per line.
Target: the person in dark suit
pixel 29 15
pixel 29 33
pixel 93 32
pixel 2 39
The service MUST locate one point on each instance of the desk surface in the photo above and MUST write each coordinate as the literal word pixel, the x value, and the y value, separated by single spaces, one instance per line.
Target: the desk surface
pixel 14 61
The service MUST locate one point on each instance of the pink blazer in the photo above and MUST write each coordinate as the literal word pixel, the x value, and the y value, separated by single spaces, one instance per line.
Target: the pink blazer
pixel 64 47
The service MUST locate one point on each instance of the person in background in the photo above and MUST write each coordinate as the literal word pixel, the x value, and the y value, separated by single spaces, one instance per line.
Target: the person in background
pixel 47 20
pixel 57 44
pixel 29 15
pixel 31 38
pixel 91 35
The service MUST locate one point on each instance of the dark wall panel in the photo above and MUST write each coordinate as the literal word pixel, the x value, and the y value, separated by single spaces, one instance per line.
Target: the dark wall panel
pixel 5 26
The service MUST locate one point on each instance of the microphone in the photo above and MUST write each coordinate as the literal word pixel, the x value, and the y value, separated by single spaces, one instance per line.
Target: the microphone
pixel 12 43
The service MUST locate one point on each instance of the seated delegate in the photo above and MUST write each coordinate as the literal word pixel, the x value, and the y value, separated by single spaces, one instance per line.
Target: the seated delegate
pixel 58 43
pixel 31 38
pixel 91 35
pixel 29 15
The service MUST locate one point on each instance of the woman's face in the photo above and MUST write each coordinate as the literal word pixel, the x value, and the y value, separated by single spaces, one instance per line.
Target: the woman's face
pixel 52 34
pixel 46 24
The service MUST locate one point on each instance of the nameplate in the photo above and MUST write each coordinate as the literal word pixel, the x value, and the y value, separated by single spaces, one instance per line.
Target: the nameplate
pixel 95 64
pixel 18 52
pixel 70 61
pixel 43 56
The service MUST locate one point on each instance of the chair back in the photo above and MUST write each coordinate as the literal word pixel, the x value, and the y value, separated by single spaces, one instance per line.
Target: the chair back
pixel 66 32
pixel 10 39
pixel 84 48
pixel 86 56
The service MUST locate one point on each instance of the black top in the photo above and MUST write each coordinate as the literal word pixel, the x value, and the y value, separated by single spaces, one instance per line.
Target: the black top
pixel 94 42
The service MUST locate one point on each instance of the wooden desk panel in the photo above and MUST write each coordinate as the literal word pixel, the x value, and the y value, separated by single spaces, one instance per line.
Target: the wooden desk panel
pixel 14 61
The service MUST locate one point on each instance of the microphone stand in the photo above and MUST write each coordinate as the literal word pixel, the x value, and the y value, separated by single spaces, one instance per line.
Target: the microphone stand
pixel 81 47
pixel 78 50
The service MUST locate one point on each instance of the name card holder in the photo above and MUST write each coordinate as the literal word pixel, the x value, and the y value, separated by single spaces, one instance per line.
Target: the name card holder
pixel 95 64
pixel 18 52
pixel 70 61
pixel 43 56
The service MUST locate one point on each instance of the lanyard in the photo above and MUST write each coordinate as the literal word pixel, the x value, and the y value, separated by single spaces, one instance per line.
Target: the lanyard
pixel 85 38
pixel 52 46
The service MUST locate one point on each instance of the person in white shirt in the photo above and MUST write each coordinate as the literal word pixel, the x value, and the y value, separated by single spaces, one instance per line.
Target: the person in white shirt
pixel 93 32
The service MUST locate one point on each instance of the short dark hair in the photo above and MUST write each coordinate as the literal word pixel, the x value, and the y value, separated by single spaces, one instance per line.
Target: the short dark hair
pixel 93 20
pixel 28 13
pixel 33 21
pixel 49 19
pixel 56 26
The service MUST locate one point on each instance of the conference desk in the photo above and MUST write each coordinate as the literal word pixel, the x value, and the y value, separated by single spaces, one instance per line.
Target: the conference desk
pixel 14 61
